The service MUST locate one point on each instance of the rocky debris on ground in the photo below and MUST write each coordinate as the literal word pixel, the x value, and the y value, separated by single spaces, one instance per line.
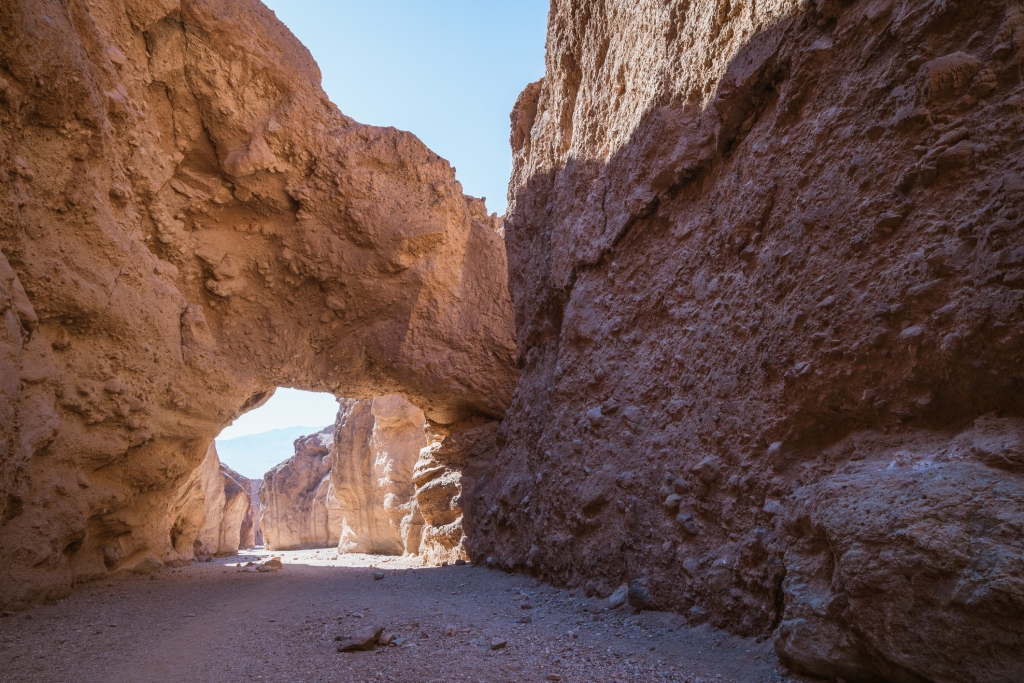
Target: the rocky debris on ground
pixel 768 271
pixel 273 564
pixel 364 640
pixel 190 223
pixel 289 631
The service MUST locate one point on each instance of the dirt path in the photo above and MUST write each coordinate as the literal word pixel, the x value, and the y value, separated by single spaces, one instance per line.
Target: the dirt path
pixel 213 622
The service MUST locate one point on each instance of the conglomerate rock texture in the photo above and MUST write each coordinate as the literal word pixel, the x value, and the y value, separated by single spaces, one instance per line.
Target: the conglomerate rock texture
pixel 186 223
pixel 767 261
pixel 297 505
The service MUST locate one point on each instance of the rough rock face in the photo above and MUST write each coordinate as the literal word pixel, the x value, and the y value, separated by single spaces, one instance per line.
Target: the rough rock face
pixel 450 465
pixel 190 223
pixel 297 505
pixel 226 508
pixel 767 263
pixel 376 445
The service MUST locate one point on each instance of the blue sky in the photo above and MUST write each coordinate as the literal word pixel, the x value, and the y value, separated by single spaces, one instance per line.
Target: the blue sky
pixel 286 408
pixel 447 70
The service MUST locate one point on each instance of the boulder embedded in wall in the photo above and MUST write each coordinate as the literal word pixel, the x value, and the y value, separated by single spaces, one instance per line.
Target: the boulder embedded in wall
pixel 742 239
pixel 179 247
pixel 295 498
pixel 376 446
pixel 899 555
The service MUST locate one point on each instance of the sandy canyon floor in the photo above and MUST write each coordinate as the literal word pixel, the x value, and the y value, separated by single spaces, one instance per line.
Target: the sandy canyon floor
pixel 216 622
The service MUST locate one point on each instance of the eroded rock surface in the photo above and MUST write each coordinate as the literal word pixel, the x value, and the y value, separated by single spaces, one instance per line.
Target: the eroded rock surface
pixel 381 480
pixel 377 443
pixel 297 504
pixel 450 466
pixel 190 223
pixel 766 261
pixel 227 508
pixel 253 518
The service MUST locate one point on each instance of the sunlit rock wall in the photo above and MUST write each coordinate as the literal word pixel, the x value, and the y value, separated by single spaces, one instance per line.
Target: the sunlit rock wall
pixel 186 223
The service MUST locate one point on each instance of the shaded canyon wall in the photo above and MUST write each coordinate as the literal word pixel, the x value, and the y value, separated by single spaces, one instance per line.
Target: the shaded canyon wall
pixel 767 262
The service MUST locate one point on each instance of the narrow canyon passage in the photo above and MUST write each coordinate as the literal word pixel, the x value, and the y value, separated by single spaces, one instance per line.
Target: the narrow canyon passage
pixel 745 352
pixel 214 621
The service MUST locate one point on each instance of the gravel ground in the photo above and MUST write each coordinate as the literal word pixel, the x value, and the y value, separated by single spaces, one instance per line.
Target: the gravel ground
pixel 217 621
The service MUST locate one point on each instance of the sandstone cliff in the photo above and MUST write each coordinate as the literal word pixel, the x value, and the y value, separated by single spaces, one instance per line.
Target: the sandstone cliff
pixel 227 508
pixel 375 483
pixel 768 270
pixel 186 223
pixel 297 504
pixel 376 445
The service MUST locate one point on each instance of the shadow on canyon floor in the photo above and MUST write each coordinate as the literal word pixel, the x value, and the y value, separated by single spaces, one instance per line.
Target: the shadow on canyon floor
pixel 212 621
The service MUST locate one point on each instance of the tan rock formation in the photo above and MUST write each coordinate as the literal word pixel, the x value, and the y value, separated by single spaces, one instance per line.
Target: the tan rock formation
pixel 297 509
pixel 766 261
pixel 377 443
pixel 252 519
pixel 215 498
pixel 372 484
pixel 450 465
pixel 226 505
pixel 190 223
pixel 237 530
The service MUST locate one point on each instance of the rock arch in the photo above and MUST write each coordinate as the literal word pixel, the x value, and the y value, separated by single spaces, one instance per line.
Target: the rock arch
pixel 186 223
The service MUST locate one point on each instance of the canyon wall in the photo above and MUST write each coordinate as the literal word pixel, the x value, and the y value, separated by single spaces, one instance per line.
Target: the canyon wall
pixel 376 445
pixel 767 262
pixel 253 518
pixel 381 480
pixel 297 507
pixel 186 223
pixel 227 508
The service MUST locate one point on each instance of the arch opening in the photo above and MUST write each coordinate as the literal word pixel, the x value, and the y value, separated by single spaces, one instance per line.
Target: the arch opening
pixel 378 479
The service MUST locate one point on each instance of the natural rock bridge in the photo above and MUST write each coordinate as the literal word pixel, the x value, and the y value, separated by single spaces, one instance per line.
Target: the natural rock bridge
pixel 755 353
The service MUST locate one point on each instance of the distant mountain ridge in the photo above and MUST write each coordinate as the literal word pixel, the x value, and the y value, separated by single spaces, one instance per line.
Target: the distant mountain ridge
pixel 253 455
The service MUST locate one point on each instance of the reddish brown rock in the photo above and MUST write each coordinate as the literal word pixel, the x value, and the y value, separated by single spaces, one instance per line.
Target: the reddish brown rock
pixel 766 266
pixel 190 223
